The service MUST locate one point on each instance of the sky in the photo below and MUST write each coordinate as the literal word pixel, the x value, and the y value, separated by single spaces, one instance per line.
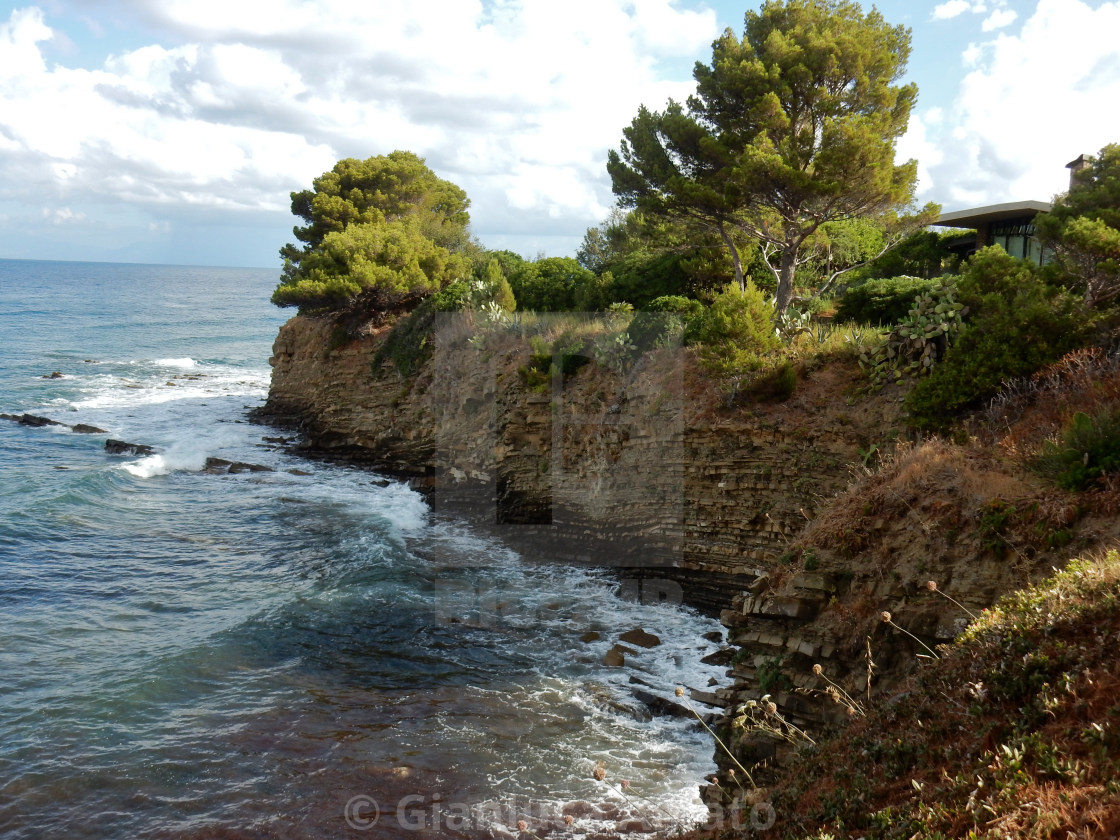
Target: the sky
pixel 173 131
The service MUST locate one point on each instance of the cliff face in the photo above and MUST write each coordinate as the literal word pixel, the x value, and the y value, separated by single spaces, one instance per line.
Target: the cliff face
pixel 640 469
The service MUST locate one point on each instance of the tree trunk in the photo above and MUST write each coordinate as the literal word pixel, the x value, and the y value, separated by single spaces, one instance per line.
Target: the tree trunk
pixel 735 261
pixel 786 270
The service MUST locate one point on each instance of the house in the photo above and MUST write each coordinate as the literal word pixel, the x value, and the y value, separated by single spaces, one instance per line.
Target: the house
pixel 1009 225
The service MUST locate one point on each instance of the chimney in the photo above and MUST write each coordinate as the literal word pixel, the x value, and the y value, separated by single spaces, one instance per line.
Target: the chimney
pixel 1075 166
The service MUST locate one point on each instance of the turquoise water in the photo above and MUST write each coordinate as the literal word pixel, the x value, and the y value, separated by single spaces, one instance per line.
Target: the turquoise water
pixel 269 654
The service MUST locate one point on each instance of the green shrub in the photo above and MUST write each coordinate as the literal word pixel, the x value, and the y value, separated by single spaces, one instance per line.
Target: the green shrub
pixel 1089 449
pixel 552 285
pixel 408 345
pixel 885 301
pixel 662 320
pixel 675 303
pixel 781 382
pixel 734 333
pixel 1017 324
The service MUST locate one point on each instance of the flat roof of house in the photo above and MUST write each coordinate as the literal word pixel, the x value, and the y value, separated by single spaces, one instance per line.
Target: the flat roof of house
pixel 992 213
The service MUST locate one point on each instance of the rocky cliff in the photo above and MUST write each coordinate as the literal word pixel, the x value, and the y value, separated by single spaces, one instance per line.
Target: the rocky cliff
pixel 641 469
pixel 765 511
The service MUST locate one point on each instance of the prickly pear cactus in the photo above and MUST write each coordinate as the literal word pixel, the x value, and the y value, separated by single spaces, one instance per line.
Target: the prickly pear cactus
pixel 913 346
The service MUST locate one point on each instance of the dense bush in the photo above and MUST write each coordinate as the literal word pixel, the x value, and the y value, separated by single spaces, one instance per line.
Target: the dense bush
pixel 734 333
pixel 641 277
pixel 663 319
pixel 885 301
pixel 392 258
pixel 553 284
pixel 1016 325
pixel 925 253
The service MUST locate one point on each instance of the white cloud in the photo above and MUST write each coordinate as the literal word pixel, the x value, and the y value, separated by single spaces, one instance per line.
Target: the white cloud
pixel 62 215
pixel 972 55
pixel 1033 102
pixel 19 43
pixel 999 19
pixel 950 9
pixel 517 101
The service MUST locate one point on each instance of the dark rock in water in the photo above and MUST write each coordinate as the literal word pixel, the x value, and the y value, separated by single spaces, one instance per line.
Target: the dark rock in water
pixel 31 420
pixel 57 374
pixel 614 659
pixel 221 465
pixel 280 440
pixel 242 467
pixel 625 650
pixel 381 482
pixel 590 636
pixel 640 637
pixel 38 422
pixel 85 429
pixel 660 706
pixel 172 384
pixel 722 658
pixel 120 447
pixel 715 636
pixel 298 472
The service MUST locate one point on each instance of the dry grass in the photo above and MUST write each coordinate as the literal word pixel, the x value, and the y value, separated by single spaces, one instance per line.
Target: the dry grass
pixel 1015 733
pixel 1029 411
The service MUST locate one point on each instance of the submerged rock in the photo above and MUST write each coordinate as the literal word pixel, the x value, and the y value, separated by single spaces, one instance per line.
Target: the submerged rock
pixel 242 467
pixel 614 659
pixel 721 658
pixel 37 422
pixel 222 466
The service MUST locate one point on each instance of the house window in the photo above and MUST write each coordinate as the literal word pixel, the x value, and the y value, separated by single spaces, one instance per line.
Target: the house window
pixel 1016 237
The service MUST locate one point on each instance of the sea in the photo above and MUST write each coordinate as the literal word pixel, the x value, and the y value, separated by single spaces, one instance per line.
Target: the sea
pixel 307 652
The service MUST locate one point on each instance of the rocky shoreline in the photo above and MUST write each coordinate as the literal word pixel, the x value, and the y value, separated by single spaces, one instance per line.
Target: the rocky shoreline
pixel 765 515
